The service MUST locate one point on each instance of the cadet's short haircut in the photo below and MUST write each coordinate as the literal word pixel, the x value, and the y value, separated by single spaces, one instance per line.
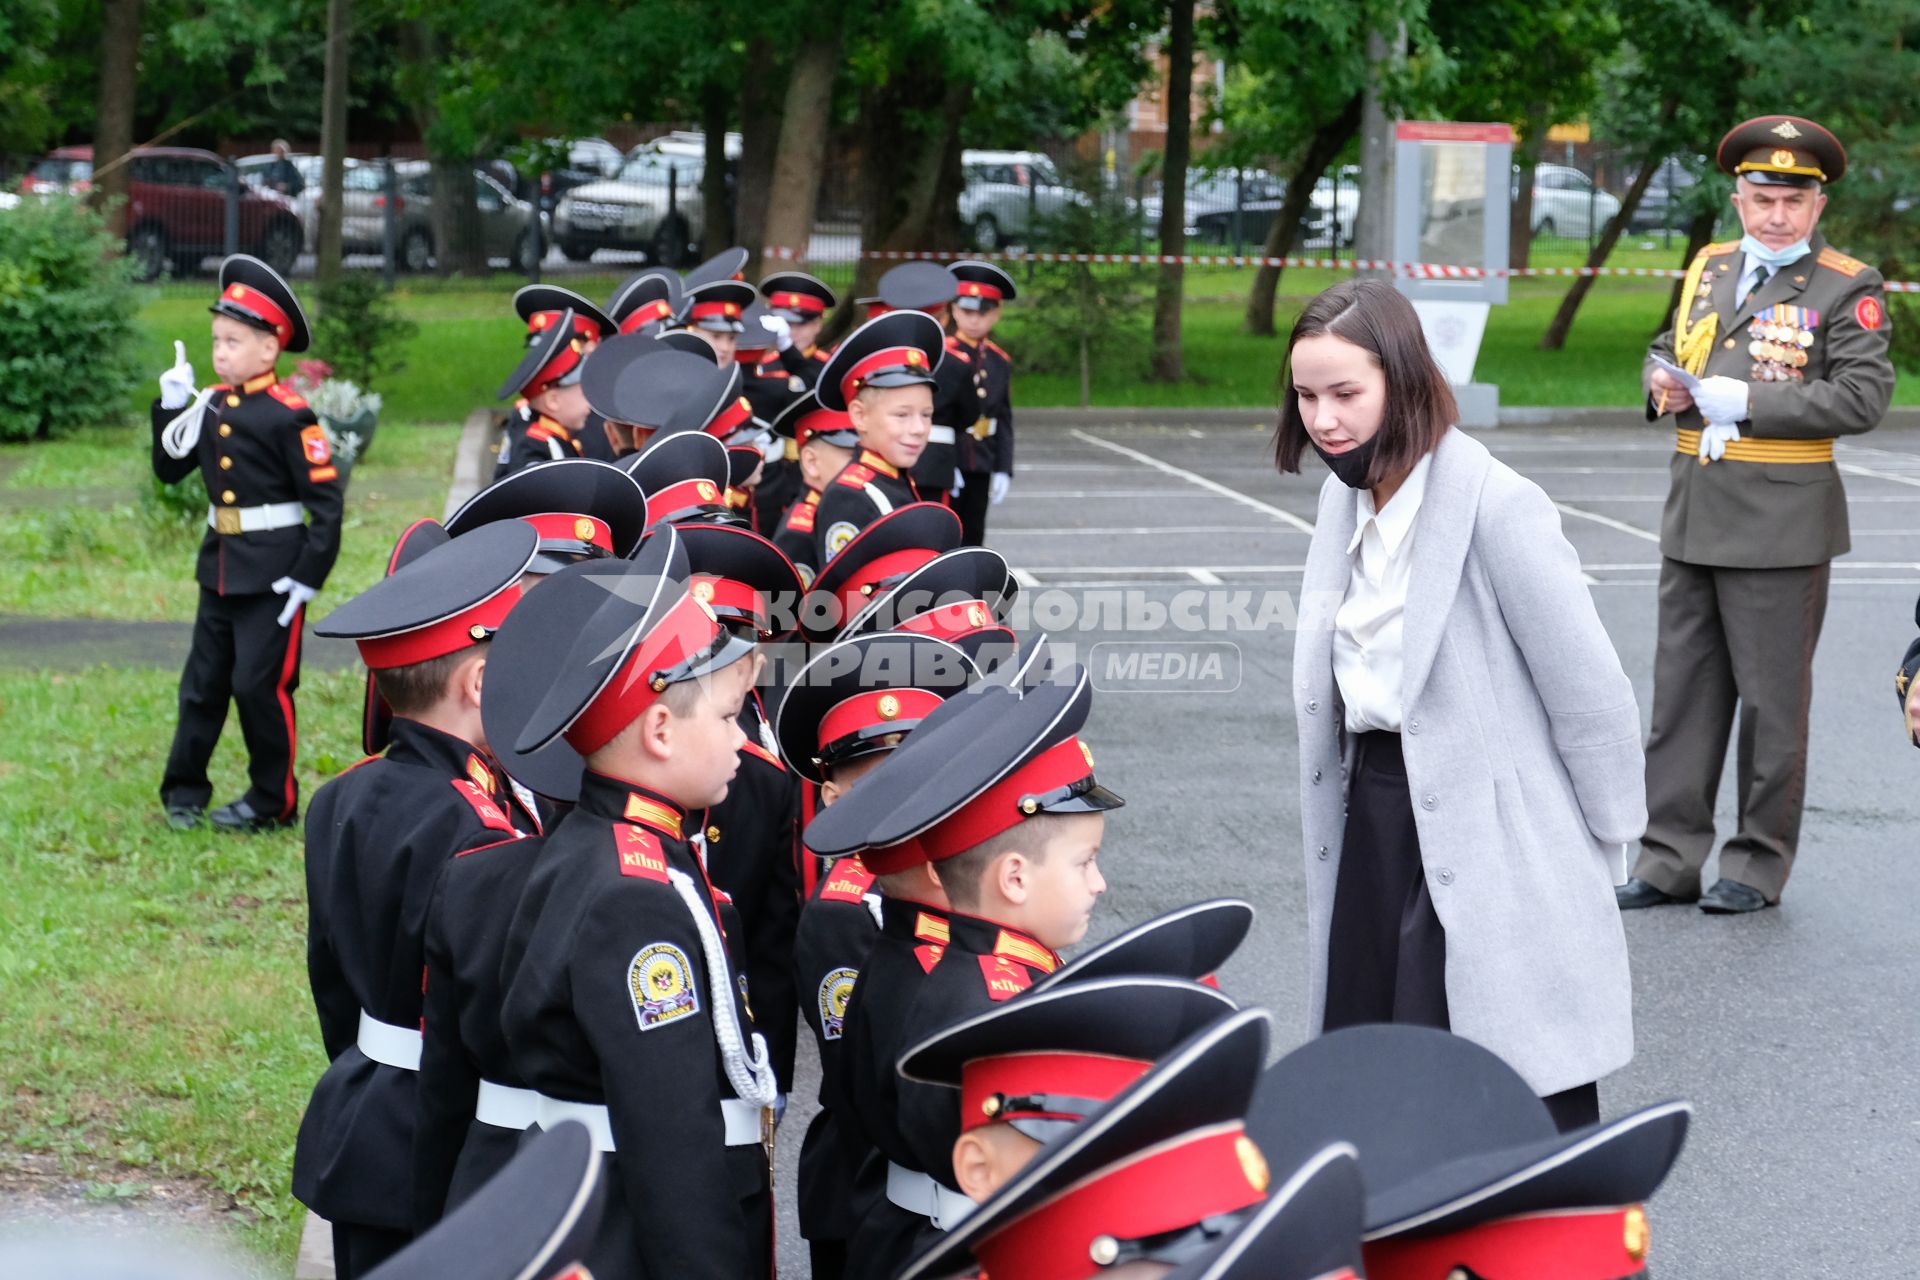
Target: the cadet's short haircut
pixel 411 690
pixel 962 875
pixel 1377 318
pixel 682 696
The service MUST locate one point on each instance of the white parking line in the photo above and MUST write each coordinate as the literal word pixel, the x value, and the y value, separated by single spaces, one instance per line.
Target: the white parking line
pixel 1025 578
pixel 1102 493
pixel 1608 521
pixel 1212 486
pixel 1205 577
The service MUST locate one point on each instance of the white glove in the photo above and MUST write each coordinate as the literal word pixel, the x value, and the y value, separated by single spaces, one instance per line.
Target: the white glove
pixel 1714 439
pixel 782 331
pixel 959 481
pixel 998 486
pixel 1722 399
pixel 297 595
pixel 176 384
pixel 773 448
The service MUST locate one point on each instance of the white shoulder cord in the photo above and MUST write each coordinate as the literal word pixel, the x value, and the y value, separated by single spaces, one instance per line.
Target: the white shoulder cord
pixel 748 1071
pixel 180 436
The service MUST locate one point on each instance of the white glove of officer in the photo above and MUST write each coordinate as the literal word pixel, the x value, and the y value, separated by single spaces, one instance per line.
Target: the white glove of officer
pixel 297 594
pixel 176 384
pixel 959 481
pixel 1714 439
pixel 1723 399
pixel 773 448
pixel 998 486
pixel 782 331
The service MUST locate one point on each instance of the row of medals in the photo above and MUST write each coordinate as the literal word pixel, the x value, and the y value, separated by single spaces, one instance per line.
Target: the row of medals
pixel 1780 337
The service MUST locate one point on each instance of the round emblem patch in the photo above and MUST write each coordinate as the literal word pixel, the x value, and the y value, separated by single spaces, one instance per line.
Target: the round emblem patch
pixel 838 536
pixel 1869 313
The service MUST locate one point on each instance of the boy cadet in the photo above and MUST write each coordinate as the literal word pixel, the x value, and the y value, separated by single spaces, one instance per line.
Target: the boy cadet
pixel 821 442
pixel 713 311
pixel 547 380
pixel 623 1007
pixel 273 530
pixel 803 302
pixel 930 288
pixel 986 444
pixel 646 304
pixel 524 438
pixel 843 712
pixel 377 838
pixel 983 829
pixel 882 377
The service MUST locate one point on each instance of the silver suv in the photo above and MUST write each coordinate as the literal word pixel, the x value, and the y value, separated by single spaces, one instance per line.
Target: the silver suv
pixel 652 206
pixel 1005 191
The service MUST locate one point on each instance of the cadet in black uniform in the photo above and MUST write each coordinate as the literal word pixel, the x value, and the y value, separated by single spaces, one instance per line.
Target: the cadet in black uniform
pixel 803 302
pixel 984 829
pixel 273 530
pixel 986 443
pixel 882 376
pixel 713 310
pixel 647 303
pixel 842 713
pixel 623 1003
pixel 773 377
pixel 820 443
pixel 930 288
pixel 541 307
pixel 554 409
pixel 377 839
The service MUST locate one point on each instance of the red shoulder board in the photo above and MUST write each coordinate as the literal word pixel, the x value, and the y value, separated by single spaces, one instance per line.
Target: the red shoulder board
pixel 849 881
pixel 287 396
pixel 490 814
pixel 928 954
pixel 999 350
pixel 857 475
pixel 800 519
pixel 640 852
pixel 539 433
pixel 1005 978
pixel 955 345
pixel 753 748
pixel 721 896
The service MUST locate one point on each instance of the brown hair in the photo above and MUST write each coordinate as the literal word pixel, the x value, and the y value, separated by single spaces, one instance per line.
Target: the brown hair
pixel 1377 318
pixel 964 875
pixel 413 690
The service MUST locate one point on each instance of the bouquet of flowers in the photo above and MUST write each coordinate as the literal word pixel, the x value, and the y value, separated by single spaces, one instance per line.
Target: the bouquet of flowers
pixel 347 413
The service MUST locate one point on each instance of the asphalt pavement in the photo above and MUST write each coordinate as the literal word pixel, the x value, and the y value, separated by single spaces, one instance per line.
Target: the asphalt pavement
pixel 1794 1031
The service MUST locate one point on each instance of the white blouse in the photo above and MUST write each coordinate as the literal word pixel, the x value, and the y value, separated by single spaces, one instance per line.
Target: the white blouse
pixel 1366 628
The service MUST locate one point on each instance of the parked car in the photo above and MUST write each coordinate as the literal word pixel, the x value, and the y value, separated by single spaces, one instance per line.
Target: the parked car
pixel 1210 192
pixel 1336 203
pixel 63 171
pixel 254 169
pixel 506 221
pixel 1003 190
pixel 652 206
pixel 1669 200
pixel 588 160
pixel 1565 203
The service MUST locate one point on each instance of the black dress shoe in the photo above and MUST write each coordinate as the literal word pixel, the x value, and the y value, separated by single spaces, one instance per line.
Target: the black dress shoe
pixel 1731 898
pixel 240 816
pixel 185 817
pixel 1637 893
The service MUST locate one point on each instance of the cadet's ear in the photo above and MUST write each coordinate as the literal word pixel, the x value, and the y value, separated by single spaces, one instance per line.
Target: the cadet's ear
pixel 656 731
pixel 973 1167
pixel 471 680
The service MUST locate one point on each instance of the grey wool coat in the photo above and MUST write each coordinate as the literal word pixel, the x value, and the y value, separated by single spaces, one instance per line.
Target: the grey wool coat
pixel 1522 745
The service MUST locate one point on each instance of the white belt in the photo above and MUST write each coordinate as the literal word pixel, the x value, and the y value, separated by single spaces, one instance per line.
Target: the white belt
pixel 920 1193
pixel 743 1119
pixel 940 435
pixel 505 1107
pixel 275 515
pixel 388 1045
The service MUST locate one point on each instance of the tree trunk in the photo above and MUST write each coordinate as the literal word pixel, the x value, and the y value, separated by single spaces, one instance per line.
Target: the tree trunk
pixel 1699 235
pixel 762 99
pixel 113 133
pixel 1168 289
pixel 459 243
pixel 804 123
pixel 333 140
pixel 1520 215
pixel 1373 222
pixel 1555 337
pixel 716 219
pixel 1328 142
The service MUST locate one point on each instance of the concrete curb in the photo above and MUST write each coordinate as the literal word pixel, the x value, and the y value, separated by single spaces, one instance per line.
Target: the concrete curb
pixel 472 462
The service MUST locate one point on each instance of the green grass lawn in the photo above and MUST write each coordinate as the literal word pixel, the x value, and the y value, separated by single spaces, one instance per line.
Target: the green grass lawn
pixel 154 1015
pixel 84 536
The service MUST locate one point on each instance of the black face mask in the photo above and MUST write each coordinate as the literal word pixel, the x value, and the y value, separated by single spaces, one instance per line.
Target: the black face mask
pixel 1351 466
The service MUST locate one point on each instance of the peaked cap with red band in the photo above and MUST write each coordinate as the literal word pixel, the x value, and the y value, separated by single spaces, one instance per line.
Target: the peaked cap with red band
pixel 863 696
pixel 743 577
pixel 376 720
pixel 959 596
pixel 542 305
pixel 255 294
pixel 651 382
pixel 719 305
pixel 454 596
pixel 982 286
pixel 879 556
pixel 581 508
pixel 554 357
pixel 1191 942
pixel 647 301
pixel 917 286
pixel 685 477
pixel 1162 1173
pixel 799 296
pixel 805 418
pixel 728 264
pixel 898 349
pixel 1309 1228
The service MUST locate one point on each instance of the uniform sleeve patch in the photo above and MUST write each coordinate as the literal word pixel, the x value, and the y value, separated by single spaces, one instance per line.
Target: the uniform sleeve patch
pixel 319 475
pixel 1869 313
pixel 835 990
pixel 839 534
pixel 313 442
pixel 1005 978
pixel 490 813
pixel 660 981
pixel 640 852
pixel 928 954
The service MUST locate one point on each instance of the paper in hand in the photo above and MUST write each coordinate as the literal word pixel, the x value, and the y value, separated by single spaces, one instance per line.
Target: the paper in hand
pixel 1685 379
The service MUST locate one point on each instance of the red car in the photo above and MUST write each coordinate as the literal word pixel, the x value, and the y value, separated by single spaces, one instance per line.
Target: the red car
pixel 177 207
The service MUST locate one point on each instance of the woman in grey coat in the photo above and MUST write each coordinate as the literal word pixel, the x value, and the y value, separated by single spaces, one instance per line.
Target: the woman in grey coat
pixel 1470 762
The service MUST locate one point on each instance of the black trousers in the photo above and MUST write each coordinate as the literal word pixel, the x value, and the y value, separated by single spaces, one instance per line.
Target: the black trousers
pixel 970 504
pixel 1387 954
pixel 358 1250
pixel 240 654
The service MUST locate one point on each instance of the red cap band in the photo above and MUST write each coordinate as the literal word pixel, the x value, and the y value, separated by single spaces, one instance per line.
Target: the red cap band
pixel 730 417
pixel 1166 1188
pixel 646 314
pixel 977 289
pixel 1019 1075
pixel 806 302
pixel 707 310
pixel 438 639
pixel 563 363
pixel 688 627
pixel 737 598
pixel 562 526
pixel 821 420
pixel 680 497
pixel 872 709
pixel 877 308
pixel 1582 1245
pixel 258 304
pixel 999 807
pixel 541 321
pixel 894 857
pixel 950 621
pixel 866 580
pixel 887 358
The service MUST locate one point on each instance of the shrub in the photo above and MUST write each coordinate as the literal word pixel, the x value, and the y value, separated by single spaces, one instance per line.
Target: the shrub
pixel 68 354
pixel 358 330
pixel 1076 316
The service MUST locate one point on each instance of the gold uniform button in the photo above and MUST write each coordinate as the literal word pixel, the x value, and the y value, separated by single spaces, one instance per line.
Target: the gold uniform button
pixel 226 464
pixel 1729 344
pixel 232 400
pixel 226 428
pixel 226 495
pixel 713 835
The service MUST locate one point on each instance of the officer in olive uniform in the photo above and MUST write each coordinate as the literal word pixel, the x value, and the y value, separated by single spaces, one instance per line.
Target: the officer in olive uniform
pixel 378 837
pixel 1789 338
pixel 273 530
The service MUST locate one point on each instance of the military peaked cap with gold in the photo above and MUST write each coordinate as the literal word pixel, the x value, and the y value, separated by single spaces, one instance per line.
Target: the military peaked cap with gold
pixel 1782 151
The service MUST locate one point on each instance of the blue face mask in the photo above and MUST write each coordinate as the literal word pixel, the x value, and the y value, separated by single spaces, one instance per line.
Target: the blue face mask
pixel 1773 259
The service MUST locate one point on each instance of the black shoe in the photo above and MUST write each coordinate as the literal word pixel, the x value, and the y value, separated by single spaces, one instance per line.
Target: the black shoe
pixel 1731 898
pixel 1637 893
pixel 240 816
pixel 185 817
